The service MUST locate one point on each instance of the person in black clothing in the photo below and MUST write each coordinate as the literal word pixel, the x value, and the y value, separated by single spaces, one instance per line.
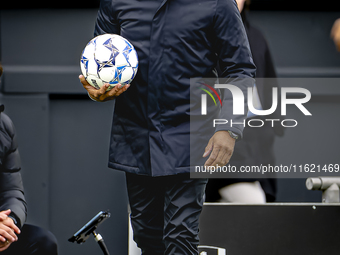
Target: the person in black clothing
pixel 176 40
pixel 256 147
pixel 17 238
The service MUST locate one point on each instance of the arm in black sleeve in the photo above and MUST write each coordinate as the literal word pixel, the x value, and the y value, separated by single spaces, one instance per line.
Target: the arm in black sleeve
pixel 235 61
pixel 11 186
pixel 106 21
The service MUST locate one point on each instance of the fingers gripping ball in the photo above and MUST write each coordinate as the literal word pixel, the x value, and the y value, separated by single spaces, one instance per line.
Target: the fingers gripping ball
pixel 109 58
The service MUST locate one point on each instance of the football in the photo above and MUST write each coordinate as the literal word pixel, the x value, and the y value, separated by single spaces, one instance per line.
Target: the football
pixel 109 58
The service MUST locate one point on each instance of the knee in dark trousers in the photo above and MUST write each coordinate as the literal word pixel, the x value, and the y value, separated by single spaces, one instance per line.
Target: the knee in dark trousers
pixel 44 243
pixel 33 240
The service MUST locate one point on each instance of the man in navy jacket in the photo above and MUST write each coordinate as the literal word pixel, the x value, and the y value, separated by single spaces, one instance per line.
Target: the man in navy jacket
pixel 175 40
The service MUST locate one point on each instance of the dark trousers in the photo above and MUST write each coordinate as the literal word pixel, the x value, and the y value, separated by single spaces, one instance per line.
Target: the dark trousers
pixel 33 240
pixel 165 213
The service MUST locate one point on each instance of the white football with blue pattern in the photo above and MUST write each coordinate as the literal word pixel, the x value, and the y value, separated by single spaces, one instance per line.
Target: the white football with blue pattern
pixel 109 58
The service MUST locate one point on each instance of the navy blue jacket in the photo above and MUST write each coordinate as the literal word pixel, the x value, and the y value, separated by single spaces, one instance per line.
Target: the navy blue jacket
pixel 175 40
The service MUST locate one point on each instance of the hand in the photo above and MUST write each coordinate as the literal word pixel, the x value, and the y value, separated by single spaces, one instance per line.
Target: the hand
pixel 4 245
pixel 7 230
pixel 101 95
pixel 335 33
pixel 220 147
pixel 4 214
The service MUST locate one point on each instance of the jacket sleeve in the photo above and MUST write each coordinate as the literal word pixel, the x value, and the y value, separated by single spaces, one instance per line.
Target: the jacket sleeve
pixel 11 186
pixel 235 61
pixel 106 21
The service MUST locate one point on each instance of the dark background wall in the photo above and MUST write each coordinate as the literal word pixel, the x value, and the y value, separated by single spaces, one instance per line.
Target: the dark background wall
pixel 64 136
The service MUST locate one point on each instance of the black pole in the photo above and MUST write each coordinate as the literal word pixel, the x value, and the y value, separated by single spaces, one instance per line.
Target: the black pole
pixel 99 239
